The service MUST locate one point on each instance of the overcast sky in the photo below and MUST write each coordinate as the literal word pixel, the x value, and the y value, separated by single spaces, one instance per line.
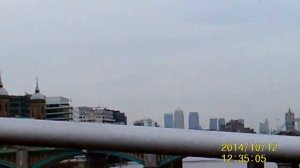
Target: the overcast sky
pixel 232 59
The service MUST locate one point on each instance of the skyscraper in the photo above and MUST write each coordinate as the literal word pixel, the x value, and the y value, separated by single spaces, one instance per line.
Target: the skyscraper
pixel 290 121
pixel 213 124
pixel 221 124
pixel 194 120
pixel 264 127
pixel 169 122
pixel 178 119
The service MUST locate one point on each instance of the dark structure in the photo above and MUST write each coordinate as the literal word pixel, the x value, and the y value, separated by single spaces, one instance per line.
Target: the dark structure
pixel 19 106
pixel 146 122
pixel 194 121
pixel 237 126
pixel 290 121
pixel 120 118
pixel 221 124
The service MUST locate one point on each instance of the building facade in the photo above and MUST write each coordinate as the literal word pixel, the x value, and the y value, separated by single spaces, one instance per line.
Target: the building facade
pixel 83 114
pixel 98 114
pixel 221 124
pixel 290 121
pixel 264 127
pixel 178 119
pixel 20 106
pixel 213 124
pixel 168 120
pixel 120 118
pixel 58 108
pixel 38 104
pixel 194 121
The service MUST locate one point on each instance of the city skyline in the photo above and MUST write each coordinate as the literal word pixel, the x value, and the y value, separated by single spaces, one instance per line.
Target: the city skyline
pixel 224 59
pixel 186 121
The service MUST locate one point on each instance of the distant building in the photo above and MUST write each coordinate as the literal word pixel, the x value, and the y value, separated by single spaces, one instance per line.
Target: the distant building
pixel 264 127
pixel 194 120
pixel 25 106
pixel 58 108
pixel 120 118
pixel 83 114
pixel 237 126
pixel 98 114
pixel 213 124
pixel 19 106
pixel 146 122
pixel 178 119
pixel 221 124
pixel 290 121
pixel 38 104
pixel 168 120
pixel 103 115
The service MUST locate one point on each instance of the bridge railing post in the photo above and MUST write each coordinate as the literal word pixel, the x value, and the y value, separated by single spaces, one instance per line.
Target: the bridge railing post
pixel 22 157
pixel 150 161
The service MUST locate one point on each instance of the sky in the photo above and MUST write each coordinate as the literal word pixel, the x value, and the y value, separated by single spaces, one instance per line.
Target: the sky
pixel 232 59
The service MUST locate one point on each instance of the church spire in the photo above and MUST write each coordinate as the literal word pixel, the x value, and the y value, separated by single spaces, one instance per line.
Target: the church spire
pixel 3 91
pixel 1 84
pixel 37 90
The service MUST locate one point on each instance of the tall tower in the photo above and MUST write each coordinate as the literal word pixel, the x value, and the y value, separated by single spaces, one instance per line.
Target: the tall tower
pixel 37 104
pixel 194 120
pixel 178 119
pixel 4 100
pixel 168 119
pixel 290 121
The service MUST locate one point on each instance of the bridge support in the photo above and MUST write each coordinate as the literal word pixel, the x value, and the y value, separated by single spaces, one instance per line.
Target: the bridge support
pixel 255 165
pixel 150 161
pixel 288 165
pixel 22 157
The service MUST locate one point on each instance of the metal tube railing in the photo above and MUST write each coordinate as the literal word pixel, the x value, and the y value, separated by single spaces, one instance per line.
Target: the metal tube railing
pixel 182 142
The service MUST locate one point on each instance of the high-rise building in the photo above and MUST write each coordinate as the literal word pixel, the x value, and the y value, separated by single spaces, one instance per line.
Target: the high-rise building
pixel 194 120
pixel 221 125
pixel 264 127
pixel 168 120
pixel 178 119
pixel 290 121
pixel 213 124
pixel 58 108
